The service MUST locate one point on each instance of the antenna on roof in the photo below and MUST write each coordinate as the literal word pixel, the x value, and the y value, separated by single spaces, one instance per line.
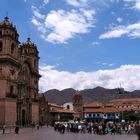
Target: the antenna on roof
pixel 120 90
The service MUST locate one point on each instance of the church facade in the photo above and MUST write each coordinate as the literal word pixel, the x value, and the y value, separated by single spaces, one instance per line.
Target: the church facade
pixel 19 77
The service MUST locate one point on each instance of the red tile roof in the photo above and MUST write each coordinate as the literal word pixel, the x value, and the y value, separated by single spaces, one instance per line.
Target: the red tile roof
pixel 94 104
pixel 126 100
pixel 101 110
pixel 109 110
pixel 63 111
pixel 108 104
pixel 54 105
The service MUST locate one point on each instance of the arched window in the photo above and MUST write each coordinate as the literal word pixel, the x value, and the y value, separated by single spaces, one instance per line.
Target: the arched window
pixel 34 63
pixel 1 46
pixel 11 89
pixel 35 95
pixel 12 48
pixel 68 107
pixel 0 33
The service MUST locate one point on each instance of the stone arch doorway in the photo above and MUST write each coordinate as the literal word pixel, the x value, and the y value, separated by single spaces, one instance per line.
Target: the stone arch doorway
pixel 23 117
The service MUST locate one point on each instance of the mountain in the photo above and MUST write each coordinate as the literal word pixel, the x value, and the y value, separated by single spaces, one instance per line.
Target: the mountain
pixel 96 94
pixel 60 97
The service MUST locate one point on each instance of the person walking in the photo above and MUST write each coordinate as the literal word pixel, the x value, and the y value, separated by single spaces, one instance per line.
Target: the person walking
pixel 16 129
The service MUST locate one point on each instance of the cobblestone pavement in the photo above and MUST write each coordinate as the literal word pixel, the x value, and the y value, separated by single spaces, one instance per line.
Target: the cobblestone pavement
pixel 49 134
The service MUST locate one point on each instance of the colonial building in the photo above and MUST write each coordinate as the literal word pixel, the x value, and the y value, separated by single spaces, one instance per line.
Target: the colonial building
pixel 112 111
pixel 59 113
pixel 19 78
pixel 97 111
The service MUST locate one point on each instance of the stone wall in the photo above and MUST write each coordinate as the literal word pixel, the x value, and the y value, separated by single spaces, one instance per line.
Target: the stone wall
pixel 10 112
pixel 35 112
pixel 3 88
pixel 2 111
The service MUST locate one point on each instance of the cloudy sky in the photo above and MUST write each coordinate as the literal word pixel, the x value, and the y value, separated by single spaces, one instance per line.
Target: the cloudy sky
pixel 82 43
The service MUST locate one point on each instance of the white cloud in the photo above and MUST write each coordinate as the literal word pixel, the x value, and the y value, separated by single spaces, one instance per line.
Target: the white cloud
pixel 126 75
pixel 133 4
pixel 95 43
pixel 78 3
pixel 119 19
pixel 132 30
pixel 45 2
pixel 60 26
pixel 90 3
pixel 36 22
pixel 37 13
pixel 105 64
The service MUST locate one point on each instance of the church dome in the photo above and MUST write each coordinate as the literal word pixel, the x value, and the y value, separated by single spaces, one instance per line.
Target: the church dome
pixel 28 42
pixel 6 23
pixel 7 28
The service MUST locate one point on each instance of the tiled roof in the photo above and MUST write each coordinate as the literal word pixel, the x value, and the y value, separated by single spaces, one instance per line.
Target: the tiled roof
pixel 101 110
pixel 126 100
pixel 94 104
pixel 54 105
pixel 109 110
pixel 108 104
pixel 63 111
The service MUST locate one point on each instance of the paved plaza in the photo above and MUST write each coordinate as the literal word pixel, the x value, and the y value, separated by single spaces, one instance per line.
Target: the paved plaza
pixel 48 133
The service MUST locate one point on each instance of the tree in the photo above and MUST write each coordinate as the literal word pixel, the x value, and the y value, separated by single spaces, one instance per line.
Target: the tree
pixel 131 116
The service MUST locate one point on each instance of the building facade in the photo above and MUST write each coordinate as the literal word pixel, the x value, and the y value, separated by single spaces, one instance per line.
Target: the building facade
pixel 97 112
pixel 19 78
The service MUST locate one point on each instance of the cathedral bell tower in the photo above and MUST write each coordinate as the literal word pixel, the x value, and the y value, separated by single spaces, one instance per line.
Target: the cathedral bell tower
pixel 8 40
pixel 28 53
pixel 9 66
pixel 28 78
pixel 8 58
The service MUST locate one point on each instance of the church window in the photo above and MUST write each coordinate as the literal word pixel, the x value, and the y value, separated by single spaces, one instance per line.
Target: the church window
pixel 0 70
pixel 0 33
pixel 11 89
pixel 34 63
pixel 77 100
pixel 35 95
pixel 25 51
pixel 12 48
pixel 1 46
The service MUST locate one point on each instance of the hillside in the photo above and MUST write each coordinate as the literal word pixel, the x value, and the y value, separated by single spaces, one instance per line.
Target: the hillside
pixel 96 94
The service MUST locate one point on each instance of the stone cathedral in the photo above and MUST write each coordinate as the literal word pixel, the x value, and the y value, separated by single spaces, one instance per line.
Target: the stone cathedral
pixel 19 76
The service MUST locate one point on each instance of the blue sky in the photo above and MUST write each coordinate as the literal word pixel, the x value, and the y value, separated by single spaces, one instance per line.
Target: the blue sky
pixel 81 43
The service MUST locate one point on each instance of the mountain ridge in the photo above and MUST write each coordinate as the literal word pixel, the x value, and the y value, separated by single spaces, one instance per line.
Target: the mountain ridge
pixel 89 95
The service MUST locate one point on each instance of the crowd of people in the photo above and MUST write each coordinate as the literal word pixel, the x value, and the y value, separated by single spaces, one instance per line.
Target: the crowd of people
pixel 96 128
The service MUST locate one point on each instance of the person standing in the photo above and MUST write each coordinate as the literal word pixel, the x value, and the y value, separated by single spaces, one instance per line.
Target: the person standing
pixel 3 129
